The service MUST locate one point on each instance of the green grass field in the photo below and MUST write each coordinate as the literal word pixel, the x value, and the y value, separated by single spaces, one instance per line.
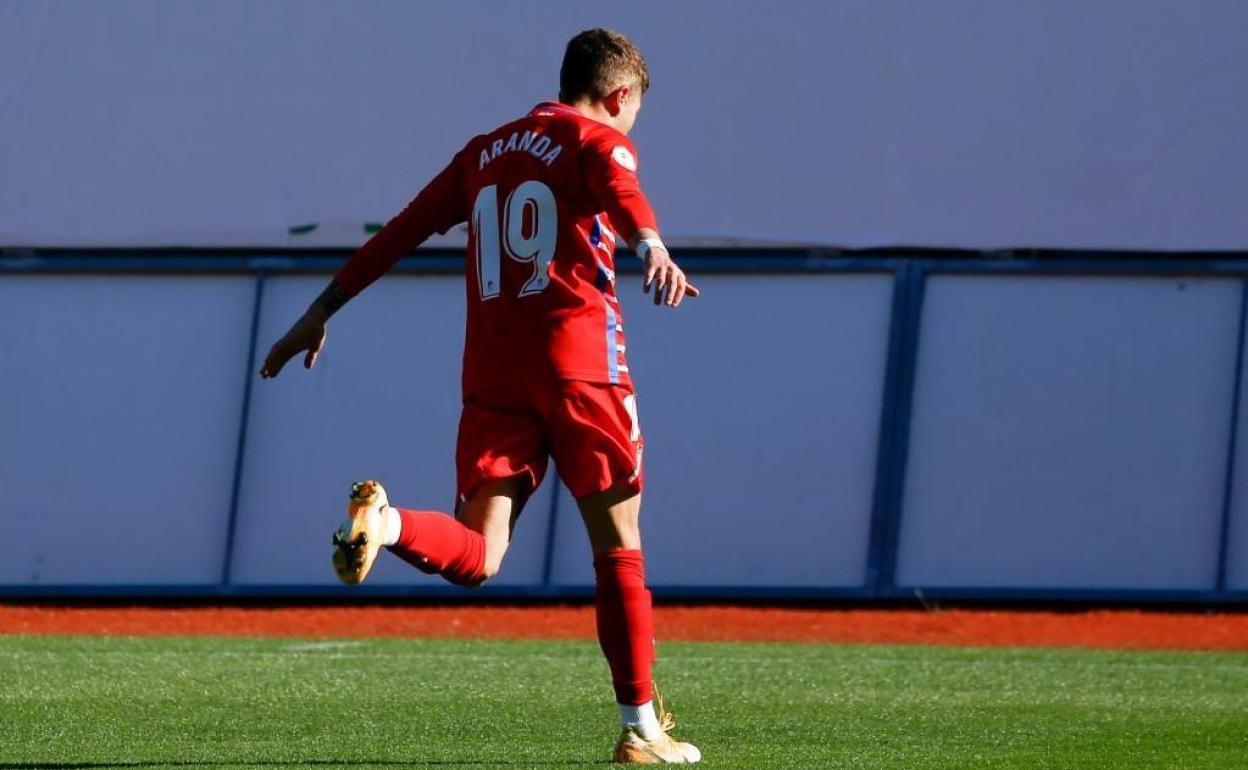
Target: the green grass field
pixel 86 702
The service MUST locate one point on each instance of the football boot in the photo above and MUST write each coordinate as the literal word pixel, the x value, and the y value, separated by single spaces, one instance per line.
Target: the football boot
pixel 632 748
pixel 358 540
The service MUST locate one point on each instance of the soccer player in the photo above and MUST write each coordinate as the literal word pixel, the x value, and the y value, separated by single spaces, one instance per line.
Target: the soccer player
pixel 545 372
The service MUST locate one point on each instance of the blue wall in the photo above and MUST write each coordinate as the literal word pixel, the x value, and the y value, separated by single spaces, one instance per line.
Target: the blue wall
pixel 962 123
pixel 877 425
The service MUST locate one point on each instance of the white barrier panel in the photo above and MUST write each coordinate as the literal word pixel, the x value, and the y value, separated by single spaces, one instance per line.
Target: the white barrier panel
pixel 1066 432
pixel 1069 433
pixel 119 417
pixel 760 403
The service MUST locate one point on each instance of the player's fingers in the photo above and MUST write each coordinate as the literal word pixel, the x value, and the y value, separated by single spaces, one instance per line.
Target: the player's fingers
pixel 677 286
pixel 310 358
pixel 273 363
pixel 679 293
pixel 650 271
pixel 692 290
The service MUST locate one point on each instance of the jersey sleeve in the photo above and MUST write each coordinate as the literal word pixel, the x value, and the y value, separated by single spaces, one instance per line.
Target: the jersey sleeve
pixel 436 209
pixel 610 167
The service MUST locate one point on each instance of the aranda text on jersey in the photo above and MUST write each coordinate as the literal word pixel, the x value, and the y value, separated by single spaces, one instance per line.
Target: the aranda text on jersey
pixel 533 143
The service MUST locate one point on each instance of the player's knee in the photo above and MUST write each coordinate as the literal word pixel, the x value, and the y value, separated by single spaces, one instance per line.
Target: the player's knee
pixel 476 581
pixel 488 570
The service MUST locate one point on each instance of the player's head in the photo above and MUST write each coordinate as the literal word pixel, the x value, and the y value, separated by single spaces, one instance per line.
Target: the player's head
pixel 604 69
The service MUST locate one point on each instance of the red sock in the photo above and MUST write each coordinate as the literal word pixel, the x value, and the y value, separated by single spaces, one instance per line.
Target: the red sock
pixel 437 543
pixel 625 623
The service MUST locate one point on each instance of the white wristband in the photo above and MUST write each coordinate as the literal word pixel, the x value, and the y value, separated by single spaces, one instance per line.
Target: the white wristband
pixel 645 244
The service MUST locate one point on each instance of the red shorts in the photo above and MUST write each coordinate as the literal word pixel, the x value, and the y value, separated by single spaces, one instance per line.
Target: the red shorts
pixel 590 429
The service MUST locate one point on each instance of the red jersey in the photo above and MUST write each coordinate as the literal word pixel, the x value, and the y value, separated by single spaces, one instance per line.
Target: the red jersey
pixel 544 197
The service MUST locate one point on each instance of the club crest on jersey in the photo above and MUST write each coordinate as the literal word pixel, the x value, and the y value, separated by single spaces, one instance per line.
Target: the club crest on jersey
pixel 624 158
pixel 533 143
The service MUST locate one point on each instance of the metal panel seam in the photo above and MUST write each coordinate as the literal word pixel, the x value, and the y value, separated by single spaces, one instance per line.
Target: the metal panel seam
pixel 548 558
pixel 1228 488
pixel 916 283
pixel 227 561
pixel 886 436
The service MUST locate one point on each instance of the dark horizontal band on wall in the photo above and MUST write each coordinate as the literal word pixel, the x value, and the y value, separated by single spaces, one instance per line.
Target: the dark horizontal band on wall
pixel 921 596
pixel 713 260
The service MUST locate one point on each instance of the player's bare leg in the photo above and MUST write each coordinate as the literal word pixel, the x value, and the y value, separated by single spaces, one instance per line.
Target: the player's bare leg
pixel 626 628
pixel 612 519
pixel 493 510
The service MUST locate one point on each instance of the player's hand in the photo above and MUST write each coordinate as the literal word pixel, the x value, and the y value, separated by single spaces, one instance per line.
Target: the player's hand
pixel 668 280
pixel 306 336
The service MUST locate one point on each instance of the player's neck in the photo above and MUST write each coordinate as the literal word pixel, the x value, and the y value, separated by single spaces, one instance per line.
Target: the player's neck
pixel 595 111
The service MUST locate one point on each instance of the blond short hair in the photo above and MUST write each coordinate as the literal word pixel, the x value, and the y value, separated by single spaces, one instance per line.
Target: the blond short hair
pixel 598 61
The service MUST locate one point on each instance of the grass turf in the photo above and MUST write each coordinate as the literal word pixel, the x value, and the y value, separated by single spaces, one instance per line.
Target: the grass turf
pixel 87 702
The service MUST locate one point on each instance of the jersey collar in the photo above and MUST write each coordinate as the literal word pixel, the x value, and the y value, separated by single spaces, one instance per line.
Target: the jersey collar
pixel 555 107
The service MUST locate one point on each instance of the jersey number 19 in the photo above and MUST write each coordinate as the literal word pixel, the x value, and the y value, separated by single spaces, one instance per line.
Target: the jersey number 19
pixel 527 233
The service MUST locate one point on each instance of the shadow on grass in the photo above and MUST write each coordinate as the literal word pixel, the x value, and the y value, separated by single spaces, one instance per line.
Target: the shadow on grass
pixel 294 763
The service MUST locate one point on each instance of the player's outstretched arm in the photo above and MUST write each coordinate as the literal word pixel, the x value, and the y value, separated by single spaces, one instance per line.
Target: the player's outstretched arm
pixel 670 283
pixel 308 334
pixel 435 209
